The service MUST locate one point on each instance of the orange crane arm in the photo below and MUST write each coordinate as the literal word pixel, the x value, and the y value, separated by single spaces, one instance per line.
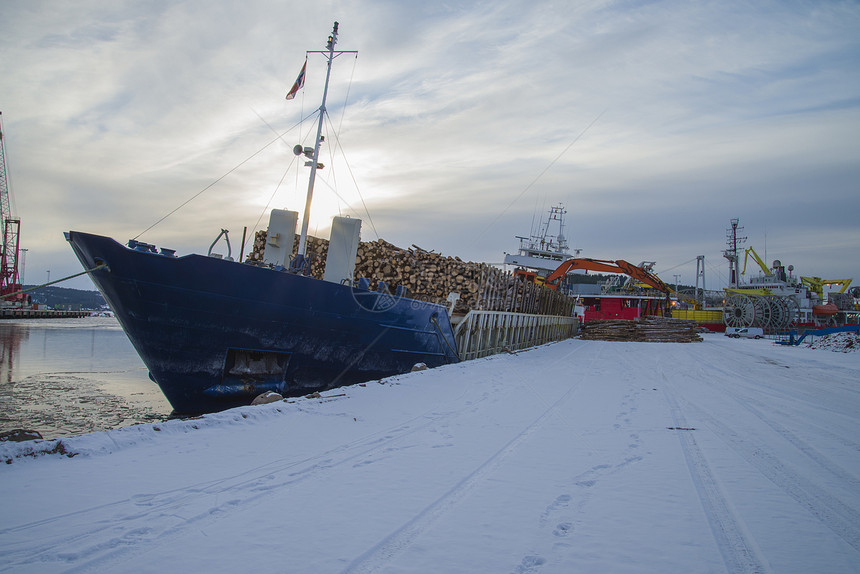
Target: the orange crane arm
pixel 619 266
pixel 643 276
pixel 580 263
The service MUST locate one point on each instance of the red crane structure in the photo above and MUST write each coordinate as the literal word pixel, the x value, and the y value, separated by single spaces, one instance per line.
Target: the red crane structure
pixel 9 281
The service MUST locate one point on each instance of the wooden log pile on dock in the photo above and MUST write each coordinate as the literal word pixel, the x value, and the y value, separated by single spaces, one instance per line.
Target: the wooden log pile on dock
pixel 430 276
pixel 644 329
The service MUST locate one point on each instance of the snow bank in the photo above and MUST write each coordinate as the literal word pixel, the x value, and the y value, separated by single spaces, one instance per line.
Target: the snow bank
pixel 115 440
pixel 841 342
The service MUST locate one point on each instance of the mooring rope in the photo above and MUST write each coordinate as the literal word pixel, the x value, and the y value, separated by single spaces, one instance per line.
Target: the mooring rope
pixel 96 268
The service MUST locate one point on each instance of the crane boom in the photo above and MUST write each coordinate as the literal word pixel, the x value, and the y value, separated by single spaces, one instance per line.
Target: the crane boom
pixel 11 230
pixel 617 266
pixel 817 284
pixel 5 204
pixel 757 259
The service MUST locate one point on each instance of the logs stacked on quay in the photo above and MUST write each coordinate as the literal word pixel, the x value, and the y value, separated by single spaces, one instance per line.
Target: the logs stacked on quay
pixel 646 329
pixel 429 276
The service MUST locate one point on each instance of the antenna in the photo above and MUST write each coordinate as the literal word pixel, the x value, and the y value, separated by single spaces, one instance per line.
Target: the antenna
pixel 731 253
pixel 307 151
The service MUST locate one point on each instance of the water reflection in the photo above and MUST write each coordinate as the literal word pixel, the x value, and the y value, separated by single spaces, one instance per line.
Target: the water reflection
pixel 72 376
pixel 10 341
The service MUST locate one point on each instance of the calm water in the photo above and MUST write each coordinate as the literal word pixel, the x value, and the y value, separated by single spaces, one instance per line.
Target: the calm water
pixel 73 376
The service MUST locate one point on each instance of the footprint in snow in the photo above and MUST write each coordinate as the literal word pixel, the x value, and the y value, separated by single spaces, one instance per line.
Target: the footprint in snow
pixel 560 502
pixel 530 564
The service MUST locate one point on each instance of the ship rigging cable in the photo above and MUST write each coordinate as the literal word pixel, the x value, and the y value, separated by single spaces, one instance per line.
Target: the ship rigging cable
pixel 234 168
pixel 271 197
pixel 355 182
pixel 331 188
pixel 96 268
pixel 280 182
pixel 676 266
pixel 546 169
pixel 348 167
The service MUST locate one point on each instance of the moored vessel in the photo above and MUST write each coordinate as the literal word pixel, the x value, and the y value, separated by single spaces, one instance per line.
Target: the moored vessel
pixel 214 332
pixel 776 300
pixel 541 252
pixel 547 259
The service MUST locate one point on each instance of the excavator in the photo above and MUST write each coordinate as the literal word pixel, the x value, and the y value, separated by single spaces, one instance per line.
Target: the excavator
pixel 615 306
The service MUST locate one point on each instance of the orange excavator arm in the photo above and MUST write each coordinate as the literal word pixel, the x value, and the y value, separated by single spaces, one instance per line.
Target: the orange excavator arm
pixel 619 266
pixel 643 276
pixel 553 278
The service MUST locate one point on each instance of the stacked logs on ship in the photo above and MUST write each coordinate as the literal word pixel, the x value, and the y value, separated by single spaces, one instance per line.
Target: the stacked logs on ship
pixel 644 329
pixel 429 276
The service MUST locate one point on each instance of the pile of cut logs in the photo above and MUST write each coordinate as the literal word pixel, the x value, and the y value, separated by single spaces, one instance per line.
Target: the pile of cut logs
pixel 429 276
pixel 648 329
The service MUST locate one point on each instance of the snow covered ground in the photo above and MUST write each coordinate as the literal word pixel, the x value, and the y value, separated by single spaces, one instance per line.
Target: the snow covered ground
pixel 580 456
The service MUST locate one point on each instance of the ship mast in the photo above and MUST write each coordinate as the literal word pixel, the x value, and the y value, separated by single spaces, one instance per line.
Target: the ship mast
pixel 298 262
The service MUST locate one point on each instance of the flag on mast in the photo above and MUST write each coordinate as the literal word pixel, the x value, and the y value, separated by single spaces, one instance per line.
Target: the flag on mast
pixel 300 81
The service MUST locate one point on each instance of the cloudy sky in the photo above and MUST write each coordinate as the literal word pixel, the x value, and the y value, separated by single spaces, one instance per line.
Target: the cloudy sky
pixel 457 126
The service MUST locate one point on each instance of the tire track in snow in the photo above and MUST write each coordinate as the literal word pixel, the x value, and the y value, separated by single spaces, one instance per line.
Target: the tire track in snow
pixel 757 408
pixel 768 384
pixel 770 395
pixel 839 517
pixel 831 511
pixel 738 551
pixel 383 552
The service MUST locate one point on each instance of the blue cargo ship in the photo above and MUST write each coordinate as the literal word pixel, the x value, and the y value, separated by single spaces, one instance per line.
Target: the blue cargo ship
pixel 215 333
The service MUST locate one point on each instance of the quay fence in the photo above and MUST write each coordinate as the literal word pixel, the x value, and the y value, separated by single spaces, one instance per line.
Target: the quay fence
pixel 26 313
pixel 484 333
pixel 504 291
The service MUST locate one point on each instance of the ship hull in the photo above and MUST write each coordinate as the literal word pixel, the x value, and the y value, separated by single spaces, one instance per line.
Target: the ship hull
pixel 215 333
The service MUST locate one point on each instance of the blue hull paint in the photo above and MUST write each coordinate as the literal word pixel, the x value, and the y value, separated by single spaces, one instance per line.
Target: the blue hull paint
pixel 215 333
